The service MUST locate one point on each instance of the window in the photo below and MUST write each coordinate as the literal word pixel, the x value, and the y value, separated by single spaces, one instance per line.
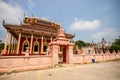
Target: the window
pixel 36 47
pixel 45 47
pixel 25 45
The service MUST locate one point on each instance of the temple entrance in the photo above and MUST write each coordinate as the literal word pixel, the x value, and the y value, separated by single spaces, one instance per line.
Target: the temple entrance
pixel 62 54
pixel 61 49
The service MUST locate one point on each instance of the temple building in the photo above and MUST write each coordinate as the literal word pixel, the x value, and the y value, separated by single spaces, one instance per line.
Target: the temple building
pixel 33 33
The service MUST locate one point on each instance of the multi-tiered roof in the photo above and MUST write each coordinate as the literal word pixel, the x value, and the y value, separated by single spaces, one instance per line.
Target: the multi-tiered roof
pixel 35 26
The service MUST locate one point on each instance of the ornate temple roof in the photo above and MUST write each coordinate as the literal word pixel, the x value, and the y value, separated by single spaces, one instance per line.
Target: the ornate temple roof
pixel 103 41
pixel 35 26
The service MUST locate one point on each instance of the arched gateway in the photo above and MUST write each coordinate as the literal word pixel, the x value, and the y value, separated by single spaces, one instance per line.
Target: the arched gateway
pixel 61 49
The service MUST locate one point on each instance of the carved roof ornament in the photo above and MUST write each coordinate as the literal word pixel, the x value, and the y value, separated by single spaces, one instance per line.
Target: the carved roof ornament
pixel 25 15
pixel 103 41
pixel 20 22
pixel 33 16
pixel 3 21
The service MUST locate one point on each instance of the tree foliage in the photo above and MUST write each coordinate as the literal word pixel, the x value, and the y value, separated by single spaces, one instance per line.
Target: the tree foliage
pixel 116 45
pixel 80 44
pixel 1 45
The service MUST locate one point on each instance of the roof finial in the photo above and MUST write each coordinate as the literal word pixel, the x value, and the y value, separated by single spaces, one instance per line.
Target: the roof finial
pixel 3 21
pixel 58 23
pixel 25 15
pixel 103 38
pixel 92 42
pixel 20 22
pixel 33 16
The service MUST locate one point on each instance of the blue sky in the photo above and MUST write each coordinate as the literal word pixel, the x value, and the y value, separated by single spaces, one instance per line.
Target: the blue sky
pixel 88 19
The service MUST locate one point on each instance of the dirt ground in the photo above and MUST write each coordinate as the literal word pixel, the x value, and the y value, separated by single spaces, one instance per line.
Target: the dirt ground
pixel 94 71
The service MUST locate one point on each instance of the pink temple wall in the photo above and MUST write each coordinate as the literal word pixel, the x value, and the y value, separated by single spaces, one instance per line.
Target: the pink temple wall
pixel 98 57
pixel 21 63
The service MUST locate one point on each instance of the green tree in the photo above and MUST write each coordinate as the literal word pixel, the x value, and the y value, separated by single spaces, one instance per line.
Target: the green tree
pixel 0 41
pixel 80 44
pixel 116 45
pixel 1 45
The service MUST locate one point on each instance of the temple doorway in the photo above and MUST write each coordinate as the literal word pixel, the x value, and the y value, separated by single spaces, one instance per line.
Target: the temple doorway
pixel 62 54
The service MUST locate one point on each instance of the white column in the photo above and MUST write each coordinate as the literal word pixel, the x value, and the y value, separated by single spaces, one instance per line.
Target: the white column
pixel 13 42
pixel 18 44
pixel 51 39
pixel 15 46
pixel 10 44
pixel 6 42
pixel 42 45
pixel 31 44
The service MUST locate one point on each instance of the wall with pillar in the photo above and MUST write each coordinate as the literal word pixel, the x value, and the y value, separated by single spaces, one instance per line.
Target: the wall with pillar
pixel 81 58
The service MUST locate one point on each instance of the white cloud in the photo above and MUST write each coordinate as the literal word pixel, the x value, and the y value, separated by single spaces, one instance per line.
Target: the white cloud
pixel 31 4
pixel 84 25
pixel 107 33
pixel 11 13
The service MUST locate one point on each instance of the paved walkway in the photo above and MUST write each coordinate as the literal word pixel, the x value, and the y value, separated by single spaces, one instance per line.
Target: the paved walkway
pixel 96 71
